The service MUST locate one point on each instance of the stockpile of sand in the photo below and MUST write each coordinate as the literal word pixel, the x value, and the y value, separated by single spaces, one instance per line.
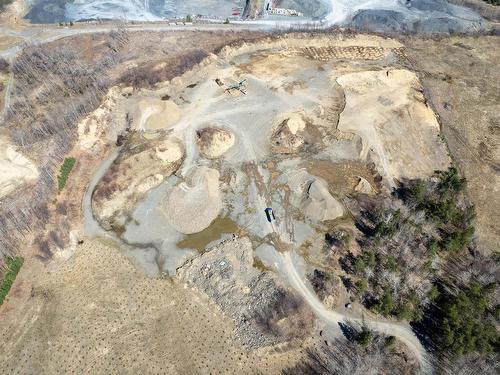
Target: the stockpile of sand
pixel 15 169
pixel 364 187
pixel 195 203
pixel 213 142
pixel 288 136
pixel 154 114
pixel 318 204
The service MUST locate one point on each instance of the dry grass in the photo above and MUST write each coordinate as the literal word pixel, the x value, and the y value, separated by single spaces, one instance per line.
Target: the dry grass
pixel 462 84
pixel 97 314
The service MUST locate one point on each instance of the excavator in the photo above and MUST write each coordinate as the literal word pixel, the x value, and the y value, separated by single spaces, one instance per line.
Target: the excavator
pixel 240 86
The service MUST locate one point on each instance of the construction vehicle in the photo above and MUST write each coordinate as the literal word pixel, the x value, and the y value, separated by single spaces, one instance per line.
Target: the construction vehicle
pixel 240 86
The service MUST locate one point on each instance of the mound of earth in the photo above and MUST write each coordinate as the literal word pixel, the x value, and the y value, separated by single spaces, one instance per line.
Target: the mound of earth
pixel 154 114
pixel 399 131
pixel 138 169
pixel 213 142
pixel 364 187
pixel 15 169
pixel 311 8
pixel 417 16
pixel 318 203
pixel 265 313
pixel 195 203
pixel 288 137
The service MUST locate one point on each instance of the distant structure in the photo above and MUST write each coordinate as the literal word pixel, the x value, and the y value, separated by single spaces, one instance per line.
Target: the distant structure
pixel 281 11
pixel 285 12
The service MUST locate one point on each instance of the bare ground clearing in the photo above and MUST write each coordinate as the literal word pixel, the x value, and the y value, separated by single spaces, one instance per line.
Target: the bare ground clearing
pixel 90 310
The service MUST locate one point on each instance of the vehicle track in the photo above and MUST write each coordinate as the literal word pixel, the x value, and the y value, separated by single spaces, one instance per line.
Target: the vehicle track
pixel 403 332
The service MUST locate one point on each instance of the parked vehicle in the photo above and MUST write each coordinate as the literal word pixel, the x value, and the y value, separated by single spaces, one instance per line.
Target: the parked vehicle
pixel 269 214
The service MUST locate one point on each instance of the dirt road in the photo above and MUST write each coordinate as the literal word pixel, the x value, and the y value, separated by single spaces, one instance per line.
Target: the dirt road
pixel 401 331
pixel 40 34
pixel 288 270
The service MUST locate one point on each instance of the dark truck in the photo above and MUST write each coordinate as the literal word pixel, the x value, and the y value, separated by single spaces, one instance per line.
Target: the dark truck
pixel 269 214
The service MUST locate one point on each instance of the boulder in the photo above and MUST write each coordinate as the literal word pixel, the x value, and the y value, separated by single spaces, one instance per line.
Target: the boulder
pixel 318 204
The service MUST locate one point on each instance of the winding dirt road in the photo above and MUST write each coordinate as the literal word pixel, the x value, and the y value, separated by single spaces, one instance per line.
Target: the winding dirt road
pixel 401 331
pixel 289 272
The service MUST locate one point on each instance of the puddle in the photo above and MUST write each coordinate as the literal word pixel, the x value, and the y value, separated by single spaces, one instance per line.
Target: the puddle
pixel 200 240
pixel 257 263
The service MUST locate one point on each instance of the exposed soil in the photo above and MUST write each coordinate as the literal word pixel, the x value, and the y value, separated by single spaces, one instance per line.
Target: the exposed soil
pixel 140 167
pixel 341 177
pixel 15 169
pixel 213 142
pixel 89 310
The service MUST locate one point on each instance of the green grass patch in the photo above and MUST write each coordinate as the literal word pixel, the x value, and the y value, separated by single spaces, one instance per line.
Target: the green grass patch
pixel 66 168
pixel 12 269
pixel 390 342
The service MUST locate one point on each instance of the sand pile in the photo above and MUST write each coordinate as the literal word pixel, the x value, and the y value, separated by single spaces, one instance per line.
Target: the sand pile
pixel 15 169
pixel 288 136
pixel 195 203
pixel 364 187
pixel 399 131
pixel 154 114
pixel 318 204
pixel 214 142
pixel 138 169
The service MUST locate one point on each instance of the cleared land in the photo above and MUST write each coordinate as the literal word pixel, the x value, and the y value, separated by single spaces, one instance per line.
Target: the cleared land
pixel 121 321
pixel 300 123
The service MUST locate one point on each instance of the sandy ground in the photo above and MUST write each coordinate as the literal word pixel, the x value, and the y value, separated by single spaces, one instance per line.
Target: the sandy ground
pixel 334 101
pixel 15 168
pixel 123 186
pixel 400 132
pixel 154 114
pixel 130 322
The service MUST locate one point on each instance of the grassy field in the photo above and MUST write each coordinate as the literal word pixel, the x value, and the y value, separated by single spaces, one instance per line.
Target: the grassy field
pixel 12 269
